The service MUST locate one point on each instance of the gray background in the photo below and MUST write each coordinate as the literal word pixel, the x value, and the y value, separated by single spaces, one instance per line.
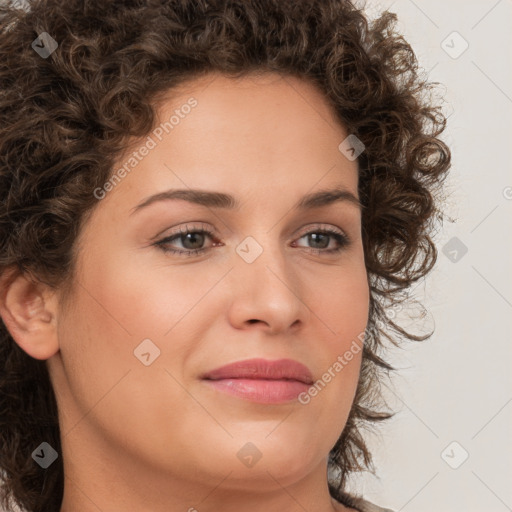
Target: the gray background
pixel 457 386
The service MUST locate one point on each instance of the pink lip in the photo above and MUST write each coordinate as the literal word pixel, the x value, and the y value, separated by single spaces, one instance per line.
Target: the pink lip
pixel 261 380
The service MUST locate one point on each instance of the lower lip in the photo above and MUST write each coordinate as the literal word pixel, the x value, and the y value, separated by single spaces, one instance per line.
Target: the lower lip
pixel 261 390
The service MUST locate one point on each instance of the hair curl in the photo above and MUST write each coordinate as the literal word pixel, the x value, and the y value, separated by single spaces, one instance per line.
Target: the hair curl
pixel 66 118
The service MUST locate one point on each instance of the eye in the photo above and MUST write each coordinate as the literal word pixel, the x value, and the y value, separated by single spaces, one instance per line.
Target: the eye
pixel 322 238
pixel 192 240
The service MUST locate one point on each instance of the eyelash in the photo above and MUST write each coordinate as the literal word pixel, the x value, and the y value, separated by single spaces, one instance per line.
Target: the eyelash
pixel 342 239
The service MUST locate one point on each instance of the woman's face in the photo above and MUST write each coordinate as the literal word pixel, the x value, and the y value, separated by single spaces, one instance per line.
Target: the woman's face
pixel 144 324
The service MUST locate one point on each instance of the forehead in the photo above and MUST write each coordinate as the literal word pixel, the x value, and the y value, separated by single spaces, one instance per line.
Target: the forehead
pixel 267 136
pixel 240 106
pixel 268 119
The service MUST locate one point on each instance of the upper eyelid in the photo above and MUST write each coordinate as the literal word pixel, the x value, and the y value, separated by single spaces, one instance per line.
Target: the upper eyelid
pixel 303 231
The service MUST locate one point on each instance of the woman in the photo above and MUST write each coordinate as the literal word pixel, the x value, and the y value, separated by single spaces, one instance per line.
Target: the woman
pixel 206 208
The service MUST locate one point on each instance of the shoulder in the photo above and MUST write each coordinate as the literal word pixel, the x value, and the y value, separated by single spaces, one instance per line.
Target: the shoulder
pixel 366 506
pixel 362 505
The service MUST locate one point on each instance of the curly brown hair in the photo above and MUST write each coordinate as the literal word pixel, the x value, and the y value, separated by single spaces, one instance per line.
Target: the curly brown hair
pixel 66 118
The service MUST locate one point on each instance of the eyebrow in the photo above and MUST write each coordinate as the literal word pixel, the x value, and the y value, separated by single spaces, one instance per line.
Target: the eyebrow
pixel 213 199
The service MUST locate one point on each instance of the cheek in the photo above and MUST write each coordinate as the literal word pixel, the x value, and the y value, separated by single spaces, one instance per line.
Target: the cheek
pixel 341 308
pixel 115 308
pixel 340 301
pixel 109 387
pixel 140 300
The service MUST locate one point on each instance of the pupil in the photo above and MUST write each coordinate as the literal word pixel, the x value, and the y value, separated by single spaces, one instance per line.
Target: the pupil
pixel 315 236
pixel 193 235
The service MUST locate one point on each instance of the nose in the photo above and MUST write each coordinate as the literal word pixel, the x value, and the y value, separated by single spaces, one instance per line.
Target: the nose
pixel 266 293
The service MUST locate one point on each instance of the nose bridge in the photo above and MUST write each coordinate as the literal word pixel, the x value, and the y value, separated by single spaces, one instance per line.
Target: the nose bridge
pixel 266 287
pixel 262 257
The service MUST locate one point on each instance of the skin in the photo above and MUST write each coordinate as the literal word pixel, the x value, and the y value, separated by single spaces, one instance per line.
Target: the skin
pixel 157 438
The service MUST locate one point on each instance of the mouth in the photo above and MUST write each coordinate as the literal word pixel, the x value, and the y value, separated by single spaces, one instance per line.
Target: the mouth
pixel 261 380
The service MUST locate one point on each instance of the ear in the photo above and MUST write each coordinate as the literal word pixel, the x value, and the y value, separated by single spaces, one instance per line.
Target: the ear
pixel 29 311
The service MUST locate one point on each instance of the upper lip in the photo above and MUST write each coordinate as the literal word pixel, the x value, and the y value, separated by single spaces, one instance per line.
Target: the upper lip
pixel 281 369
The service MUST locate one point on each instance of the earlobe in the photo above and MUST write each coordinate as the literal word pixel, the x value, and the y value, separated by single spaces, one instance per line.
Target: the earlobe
pixel 28 310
